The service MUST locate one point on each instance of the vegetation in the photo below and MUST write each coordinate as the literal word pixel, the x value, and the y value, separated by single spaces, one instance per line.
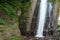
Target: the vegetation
pixel 52 2
pixel 58 28
pixel 15 38
pixel 10 8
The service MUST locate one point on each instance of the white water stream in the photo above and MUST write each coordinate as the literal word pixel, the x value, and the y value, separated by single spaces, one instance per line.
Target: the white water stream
pixel 42 16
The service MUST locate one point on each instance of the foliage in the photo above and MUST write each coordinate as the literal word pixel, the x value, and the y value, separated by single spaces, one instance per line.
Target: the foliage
pixel 11 6
pixel 2 22
pixel 58 28
pixel 10 11
pixel 52 1
pixel 26 5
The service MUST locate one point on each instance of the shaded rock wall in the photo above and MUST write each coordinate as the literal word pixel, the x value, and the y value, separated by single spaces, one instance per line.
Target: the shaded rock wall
pixel 30 14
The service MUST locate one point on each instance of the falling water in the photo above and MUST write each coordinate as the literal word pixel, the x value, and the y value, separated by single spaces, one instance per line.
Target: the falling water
pixel 41 18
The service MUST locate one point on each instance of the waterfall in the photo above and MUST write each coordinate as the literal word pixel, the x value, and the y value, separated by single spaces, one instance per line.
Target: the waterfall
pixel 41 18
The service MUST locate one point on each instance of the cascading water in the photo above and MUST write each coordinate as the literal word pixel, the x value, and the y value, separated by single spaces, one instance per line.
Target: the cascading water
pixel 41 18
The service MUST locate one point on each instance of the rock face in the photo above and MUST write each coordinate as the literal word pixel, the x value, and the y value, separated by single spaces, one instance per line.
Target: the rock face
pixel 55 35
pixel 30 14
pixel 44 38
